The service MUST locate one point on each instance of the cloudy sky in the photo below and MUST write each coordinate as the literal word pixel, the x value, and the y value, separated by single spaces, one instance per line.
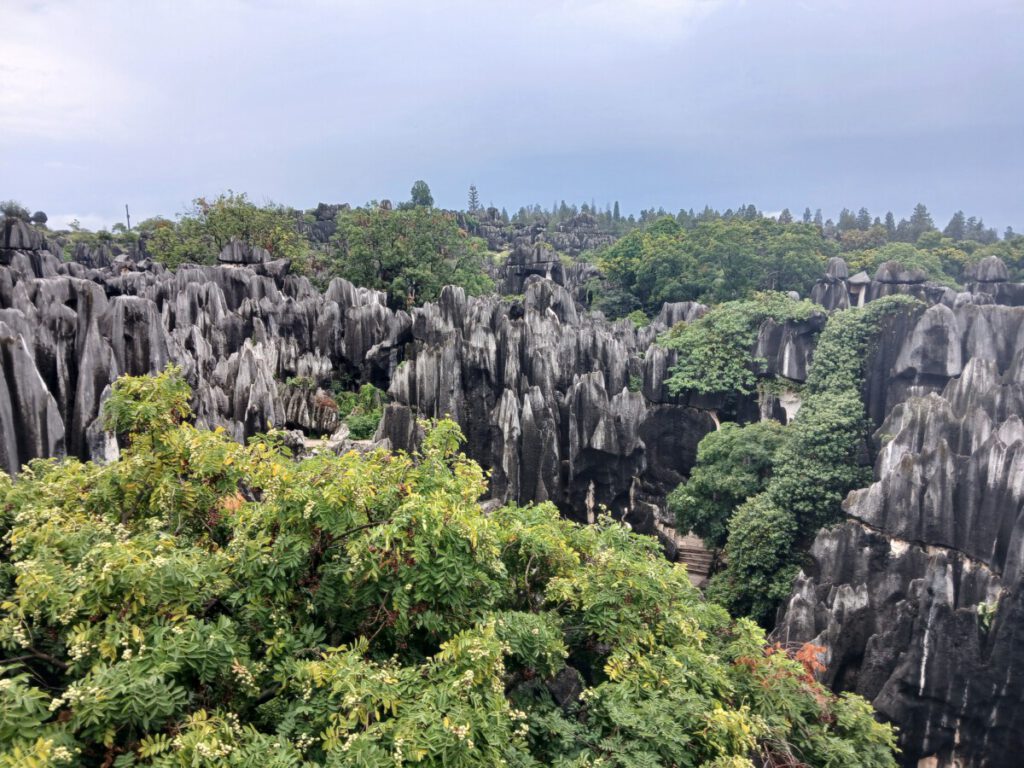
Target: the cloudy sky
pixel 679 103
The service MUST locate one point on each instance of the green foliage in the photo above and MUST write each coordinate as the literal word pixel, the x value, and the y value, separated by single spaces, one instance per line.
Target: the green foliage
pixel 411 253
pixel 201 603
pixel 986 613
pixel 12 209
pixel 638 318
pixel 199 235
pixel 817 464
pixel 420 195
pixel 715 352
pixel 928 261
pixel 147 405
pixel 713 261
pixel 361 410
pixel 733 464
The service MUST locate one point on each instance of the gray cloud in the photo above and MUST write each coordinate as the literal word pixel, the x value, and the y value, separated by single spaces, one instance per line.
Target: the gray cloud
pixel 653 103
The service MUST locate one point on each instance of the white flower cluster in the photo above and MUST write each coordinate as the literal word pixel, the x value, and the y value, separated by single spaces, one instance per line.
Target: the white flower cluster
pixel 214 750
pixel 20 636
pixel 62 755
pixel 242 674
pixel 77 692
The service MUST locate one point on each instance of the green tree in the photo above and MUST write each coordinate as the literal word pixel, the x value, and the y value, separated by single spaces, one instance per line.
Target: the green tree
pixel 12 209
pixel 920 222
pixel 474 199
pixel 955 228
pixel 201 233
pixel 420 195
pixel 411 253
pixel 733 464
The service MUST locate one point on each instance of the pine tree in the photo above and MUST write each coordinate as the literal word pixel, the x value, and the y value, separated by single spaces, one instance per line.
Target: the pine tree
pixel 847 220
pixel 474 199
pixel 920 222
pixel 863 219
pixel 616 215
pixel 955 228
pixel 785 217
pixel 807 215
pixel 818 222
pixel 890 225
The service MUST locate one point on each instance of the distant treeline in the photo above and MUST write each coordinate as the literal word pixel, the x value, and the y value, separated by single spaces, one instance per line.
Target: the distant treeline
pixel 412 249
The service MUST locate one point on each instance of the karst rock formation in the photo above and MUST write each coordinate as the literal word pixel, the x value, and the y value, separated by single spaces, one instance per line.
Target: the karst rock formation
pixel 917 594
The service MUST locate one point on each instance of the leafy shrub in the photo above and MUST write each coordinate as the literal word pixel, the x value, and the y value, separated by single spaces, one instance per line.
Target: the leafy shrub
pixel 199 602
pixel 361 410
pixel 715 351
pixel 12 209
pixel 638 318
pixel 733 464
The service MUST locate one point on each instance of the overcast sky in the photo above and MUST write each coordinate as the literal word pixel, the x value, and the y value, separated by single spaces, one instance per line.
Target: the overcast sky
pixel 678 103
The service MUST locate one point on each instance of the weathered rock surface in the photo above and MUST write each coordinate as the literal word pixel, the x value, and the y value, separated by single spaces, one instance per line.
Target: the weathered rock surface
pixel 918 595
pixel 559 404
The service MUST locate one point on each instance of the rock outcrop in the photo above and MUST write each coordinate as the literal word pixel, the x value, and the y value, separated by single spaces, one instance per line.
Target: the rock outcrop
pixel 559 404
pixel 918 596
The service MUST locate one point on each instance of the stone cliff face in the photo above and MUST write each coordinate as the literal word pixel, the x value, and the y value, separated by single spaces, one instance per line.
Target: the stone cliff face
pixel 918 595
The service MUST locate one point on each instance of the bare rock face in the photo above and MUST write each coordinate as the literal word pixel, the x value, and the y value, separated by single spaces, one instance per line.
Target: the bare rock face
pixel 560 405
pixel 918 595
pixel 237 252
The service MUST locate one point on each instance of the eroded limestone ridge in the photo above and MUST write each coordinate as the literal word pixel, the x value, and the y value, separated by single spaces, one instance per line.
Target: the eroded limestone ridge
pixel 918 595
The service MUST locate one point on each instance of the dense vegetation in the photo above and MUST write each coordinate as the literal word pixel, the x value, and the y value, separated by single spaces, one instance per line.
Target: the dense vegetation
pixel 798 481
pixel 201 603
pixel 714 352
pixel 411 253
pixel 712 257
pixel 733 463
pixel 714 261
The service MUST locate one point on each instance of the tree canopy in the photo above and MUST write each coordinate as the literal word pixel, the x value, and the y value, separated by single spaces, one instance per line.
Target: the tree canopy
pixel 716 260
pixel 203 603
pixel 411 253
pixel 201 232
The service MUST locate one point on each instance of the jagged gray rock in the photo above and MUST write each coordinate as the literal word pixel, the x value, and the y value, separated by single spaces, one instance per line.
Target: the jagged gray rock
pixel 918 595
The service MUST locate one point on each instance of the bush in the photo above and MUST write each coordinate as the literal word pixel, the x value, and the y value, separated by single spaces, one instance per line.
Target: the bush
pixel 733 464
pixel 200 602
pixel 12 209
pixel 715 352
pixel 361 410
